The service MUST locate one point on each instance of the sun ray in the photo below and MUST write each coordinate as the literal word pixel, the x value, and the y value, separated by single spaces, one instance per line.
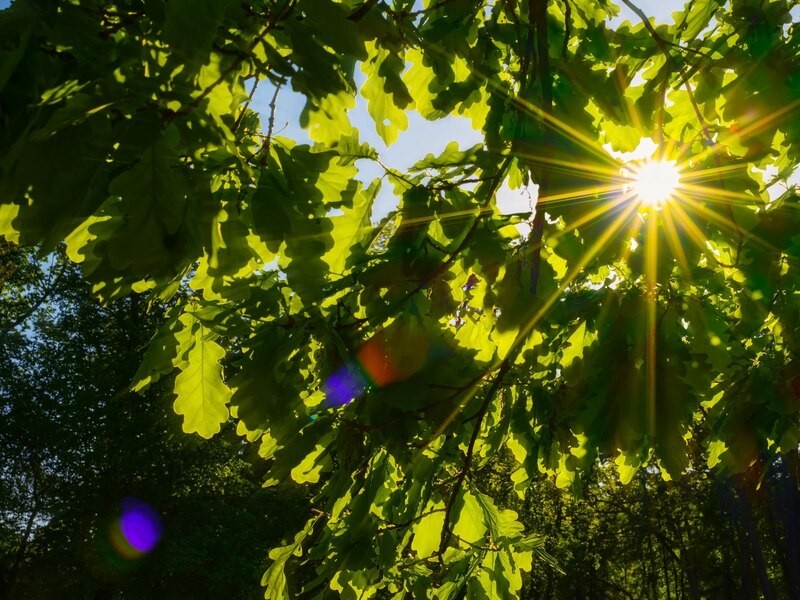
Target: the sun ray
pixel 691 174
pixel 588 256
pixel 593 195
pixel 674 242
pixel 632 233
pixel 583 220
pixel 609 173
pixel 580 222
pixel 570 132
pixel 577 194
pixel 722 194
pixel 728 225
pixel 697 236
pixel 763 122
pixel 525 330
pixel 525 106
pixel 651 281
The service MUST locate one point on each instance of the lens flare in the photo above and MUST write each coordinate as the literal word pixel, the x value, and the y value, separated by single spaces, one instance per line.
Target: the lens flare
pixel 140 525
pixel 138 529
pixel 654 182
pixel 345 384
pixel 391 355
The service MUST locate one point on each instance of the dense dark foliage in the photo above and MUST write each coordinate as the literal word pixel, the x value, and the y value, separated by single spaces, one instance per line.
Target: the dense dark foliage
pixel 75 442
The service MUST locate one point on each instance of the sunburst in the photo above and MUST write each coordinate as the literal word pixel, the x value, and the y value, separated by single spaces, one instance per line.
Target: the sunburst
pixel 653 183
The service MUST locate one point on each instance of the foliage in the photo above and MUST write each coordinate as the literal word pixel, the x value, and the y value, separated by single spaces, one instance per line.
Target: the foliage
pixel 389 363
pixel 76 444
pixel 703 536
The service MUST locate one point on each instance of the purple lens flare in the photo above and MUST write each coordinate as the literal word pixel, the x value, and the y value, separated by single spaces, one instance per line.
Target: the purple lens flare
pixel 140 525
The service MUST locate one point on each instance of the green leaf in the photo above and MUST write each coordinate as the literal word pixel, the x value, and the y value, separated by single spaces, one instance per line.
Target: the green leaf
pixel 715 450
pixel 326 118
pixel 202 396
pixel 428 531
pixel 623 138
pixel 275 577
pixel 386 94
pixel 352 230
pixel 167 350
pixel 469 520
pixel 628 465
pixel 503 525
pixel 312 466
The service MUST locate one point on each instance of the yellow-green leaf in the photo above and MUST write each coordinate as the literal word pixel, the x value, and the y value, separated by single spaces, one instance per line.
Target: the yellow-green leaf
pixel 202 396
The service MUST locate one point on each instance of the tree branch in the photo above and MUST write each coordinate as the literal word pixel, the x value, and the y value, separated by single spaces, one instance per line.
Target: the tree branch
pixel 43 296
pixel 263 152
pixel 537 13
pixel 447 532
pixel 391 526
pixel 567 28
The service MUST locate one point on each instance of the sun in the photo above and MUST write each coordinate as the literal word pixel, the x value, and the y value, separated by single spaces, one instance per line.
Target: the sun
pixel 654 182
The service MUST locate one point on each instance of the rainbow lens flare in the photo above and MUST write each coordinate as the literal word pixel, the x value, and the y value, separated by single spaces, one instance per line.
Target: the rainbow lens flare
pixel 388 356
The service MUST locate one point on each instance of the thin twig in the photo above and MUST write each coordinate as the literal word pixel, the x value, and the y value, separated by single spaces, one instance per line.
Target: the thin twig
pixel 50 287
pixel 246 106
pixel 264 150
pixel 390 526
pixel 661 109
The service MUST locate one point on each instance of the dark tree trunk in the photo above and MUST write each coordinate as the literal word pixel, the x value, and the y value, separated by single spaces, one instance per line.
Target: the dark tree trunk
pixel 784 506
pixel 753 541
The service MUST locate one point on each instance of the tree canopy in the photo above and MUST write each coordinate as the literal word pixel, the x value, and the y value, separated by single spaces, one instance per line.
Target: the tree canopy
pixel 389 362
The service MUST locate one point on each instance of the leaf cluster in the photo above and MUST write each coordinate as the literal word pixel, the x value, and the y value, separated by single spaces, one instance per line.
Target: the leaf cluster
pixel 389 363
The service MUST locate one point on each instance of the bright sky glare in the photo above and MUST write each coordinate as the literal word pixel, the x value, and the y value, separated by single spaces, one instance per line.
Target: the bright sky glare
pixel 654 182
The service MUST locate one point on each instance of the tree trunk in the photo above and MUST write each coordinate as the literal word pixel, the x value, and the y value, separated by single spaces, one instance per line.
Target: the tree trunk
pixel 754 543
pixel 784 495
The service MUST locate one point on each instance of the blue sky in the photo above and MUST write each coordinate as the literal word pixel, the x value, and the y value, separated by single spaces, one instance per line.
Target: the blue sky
pixel 422 137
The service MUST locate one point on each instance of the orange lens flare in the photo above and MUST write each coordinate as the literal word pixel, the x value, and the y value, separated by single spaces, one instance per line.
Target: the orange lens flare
pixel 389 356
